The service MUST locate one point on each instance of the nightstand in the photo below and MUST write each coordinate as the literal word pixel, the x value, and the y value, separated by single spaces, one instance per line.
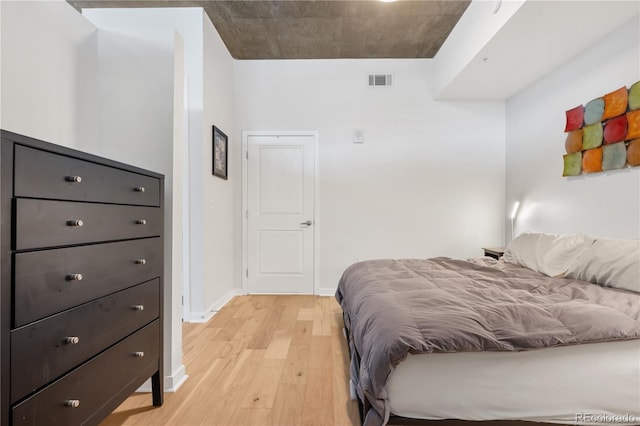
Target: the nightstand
pixel 495 252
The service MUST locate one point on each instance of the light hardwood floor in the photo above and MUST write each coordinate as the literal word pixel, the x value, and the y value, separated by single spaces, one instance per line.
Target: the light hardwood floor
pixel 261 360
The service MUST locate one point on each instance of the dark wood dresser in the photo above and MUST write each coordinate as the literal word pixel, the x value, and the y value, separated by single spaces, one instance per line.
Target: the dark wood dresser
pixel 81 278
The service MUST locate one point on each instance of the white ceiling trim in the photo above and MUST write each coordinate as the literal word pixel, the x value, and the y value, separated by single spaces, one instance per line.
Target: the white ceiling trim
pixel 538 37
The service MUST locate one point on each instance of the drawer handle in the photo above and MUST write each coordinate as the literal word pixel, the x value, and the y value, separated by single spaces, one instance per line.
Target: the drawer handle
pixel 141 261
pixel 75 179
pixel 139 189
pixel 75 223
pixel 138 307
pixel 72 403
pixel 138 354
pixel 141 221
pixel 72 340
pixel 74 277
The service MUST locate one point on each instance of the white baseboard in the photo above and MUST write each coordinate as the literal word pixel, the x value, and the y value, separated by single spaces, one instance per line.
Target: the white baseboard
pixel 205 316
pixel 200 316
pixel 325 291
pixel 171 383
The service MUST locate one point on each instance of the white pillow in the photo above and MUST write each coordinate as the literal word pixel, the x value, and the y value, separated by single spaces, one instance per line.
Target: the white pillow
pixel 549 254
pixel 522 250
pixel 614 263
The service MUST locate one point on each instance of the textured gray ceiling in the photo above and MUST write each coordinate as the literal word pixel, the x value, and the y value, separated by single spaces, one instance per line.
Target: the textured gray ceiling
pixel 318 29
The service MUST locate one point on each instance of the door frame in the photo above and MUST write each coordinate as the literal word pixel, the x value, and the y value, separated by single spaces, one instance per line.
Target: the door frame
pixel 245 202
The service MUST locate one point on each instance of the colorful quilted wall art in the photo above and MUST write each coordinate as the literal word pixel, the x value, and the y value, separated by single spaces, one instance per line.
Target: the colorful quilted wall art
pixel 592 160
pixel 604 134
pixel 593 111
pixel 614 156
pixel 634 97
pixel 633 124
pixel 574 141
pixel 615 130
pixel 575 118
pixel 592 136
pixel 615 103
pixel 633 153
pixel 572 164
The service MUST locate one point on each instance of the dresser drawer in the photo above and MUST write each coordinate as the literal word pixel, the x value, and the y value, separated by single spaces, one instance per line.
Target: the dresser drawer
pixel 42 174
pixel 50 281
pixel 43 223
pixel 44 350
pixel 94 385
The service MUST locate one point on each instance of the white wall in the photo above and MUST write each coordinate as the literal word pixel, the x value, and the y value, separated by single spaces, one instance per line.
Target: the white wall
pixel 141 81
pixel 48 57
pixel 211 231
pixel 429 179
pixel 47 71
pixel 140 110
pixel 105 93
pixel 221 216
pixel 604 204
pixel 188 23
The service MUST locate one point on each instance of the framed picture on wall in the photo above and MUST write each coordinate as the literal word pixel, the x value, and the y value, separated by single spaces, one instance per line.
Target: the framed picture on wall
pixel 220 145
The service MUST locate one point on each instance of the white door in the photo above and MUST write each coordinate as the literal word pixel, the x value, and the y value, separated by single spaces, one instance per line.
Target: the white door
pixel 280 213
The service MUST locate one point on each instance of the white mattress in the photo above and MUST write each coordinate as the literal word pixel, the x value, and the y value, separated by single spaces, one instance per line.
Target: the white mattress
pixel 581 384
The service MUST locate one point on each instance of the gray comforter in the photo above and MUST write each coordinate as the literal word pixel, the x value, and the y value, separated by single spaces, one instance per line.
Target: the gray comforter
pixel 396 307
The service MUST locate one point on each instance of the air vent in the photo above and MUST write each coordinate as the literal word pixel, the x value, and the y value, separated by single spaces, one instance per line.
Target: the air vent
pixel 379 80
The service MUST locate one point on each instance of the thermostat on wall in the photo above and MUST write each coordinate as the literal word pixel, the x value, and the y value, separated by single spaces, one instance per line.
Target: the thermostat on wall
pixel 358 136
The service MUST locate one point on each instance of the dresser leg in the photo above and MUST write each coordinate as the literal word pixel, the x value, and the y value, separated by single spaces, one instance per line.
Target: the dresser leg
pixel 156 389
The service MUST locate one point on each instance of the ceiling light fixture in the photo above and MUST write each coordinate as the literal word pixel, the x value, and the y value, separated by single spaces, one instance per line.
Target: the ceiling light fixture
pixel 387 1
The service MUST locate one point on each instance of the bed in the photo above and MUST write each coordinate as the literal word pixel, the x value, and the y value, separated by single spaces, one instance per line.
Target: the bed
pixel 549 334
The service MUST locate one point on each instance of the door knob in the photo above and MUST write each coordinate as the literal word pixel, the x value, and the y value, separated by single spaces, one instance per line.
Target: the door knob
pixel 307 223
